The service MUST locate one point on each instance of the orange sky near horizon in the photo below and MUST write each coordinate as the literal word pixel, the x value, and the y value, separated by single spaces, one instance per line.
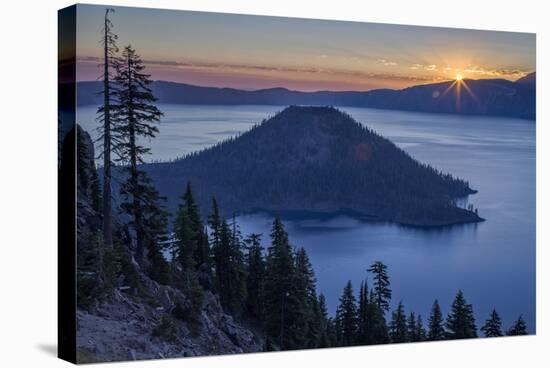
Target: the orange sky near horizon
pixel 254 52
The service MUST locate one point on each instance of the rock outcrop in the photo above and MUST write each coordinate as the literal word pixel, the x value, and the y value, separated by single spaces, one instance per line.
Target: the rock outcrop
pixel 124 328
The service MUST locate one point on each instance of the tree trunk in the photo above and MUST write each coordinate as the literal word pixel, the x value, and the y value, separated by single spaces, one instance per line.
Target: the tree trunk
pixel 107 220
pixel 138 221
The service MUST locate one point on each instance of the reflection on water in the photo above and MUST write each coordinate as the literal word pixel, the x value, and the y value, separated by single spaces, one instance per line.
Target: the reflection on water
pixel 492 262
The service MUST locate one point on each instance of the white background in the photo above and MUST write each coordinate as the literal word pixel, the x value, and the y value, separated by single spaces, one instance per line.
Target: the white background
pixel 28 118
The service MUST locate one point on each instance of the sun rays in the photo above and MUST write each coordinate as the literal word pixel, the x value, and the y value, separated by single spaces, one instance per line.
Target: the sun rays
pixel 456 86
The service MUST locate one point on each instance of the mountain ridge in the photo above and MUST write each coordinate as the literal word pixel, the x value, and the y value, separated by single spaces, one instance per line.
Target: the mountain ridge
pixel 491 97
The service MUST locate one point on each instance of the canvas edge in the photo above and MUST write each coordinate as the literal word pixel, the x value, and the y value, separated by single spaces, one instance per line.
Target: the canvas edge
pixel 66 246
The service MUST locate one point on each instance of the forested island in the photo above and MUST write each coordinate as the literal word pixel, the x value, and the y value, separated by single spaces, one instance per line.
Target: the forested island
pixel 220 291
pixel 317 160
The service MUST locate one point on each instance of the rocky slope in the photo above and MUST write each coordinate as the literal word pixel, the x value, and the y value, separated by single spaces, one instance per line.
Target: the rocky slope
pixel 126 328
pixel 134 317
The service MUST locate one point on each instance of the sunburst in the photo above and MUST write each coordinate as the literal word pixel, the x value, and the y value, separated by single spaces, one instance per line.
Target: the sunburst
pixel 458 83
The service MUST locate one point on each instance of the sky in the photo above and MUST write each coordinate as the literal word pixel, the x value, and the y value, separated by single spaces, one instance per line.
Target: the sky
pixel 255 52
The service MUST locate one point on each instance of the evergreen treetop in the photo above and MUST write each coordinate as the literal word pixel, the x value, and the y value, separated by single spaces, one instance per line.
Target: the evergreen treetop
pixel 436 331
pixel 493 325
pixel 381 285
pixel 461 321
pixel 518 328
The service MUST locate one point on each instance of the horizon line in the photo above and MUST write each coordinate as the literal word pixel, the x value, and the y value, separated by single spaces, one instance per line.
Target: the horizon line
pixel 322 90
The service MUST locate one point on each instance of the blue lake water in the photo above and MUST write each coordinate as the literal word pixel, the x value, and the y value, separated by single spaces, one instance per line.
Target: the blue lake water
pixel 492 262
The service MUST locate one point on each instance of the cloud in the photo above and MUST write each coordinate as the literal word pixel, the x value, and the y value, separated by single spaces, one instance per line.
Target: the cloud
pixel 387 62
pixel 429 67
pixel 509 73
pixel 263 69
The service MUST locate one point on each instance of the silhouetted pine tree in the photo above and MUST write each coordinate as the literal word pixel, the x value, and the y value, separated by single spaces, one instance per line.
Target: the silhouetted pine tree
pixel 461 321
pixel 346 315
pixel 230 268
pixel 493 325
pixel 377 330
pixel 219 253
pixel 133 117
pixel 308 308
pixel 381 286
pixel 281 301
pixel 108 41
pixel 186 230
pixel 436 331
pixel 362 314
pixel 155 222
pixel 197 243
pixel 201 248
pixel 420 330
pixel 204 249
pixel 255 278
pixel 238 268
pixel 518 328
pixel 325 336
pixel 412 330
pixel 398 325
pixel 331 331
pixel 215 224
pixel 186 244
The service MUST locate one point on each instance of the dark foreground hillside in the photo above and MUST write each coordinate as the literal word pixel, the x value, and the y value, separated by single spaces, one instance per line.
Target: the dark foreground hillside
pixel 316 160
pixel 122 312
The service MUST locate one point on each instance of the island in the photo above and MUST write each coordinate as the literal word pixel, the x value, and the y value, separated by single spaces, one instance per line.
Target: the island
pixel 316 160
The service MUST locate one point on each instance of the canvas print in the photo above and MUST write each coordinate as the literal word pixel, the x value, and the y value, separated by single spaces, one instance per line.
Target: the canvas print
pixel 251 184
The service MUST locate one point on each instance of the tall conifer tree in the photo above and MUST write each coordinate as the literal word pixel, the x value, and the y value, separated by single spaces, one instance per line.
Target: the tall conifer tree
pixel 420 330
pixel 256 277
pixel 281 300
pixel 347 317
pixel 381 286
pixel 412 330
pixel 108 42
pixel 215 223
pixel 461 322
pixel 226 246
pixel 376 329
pixel 518 328
pixel 398 325
pixel 325 335
pixel 189 211
pixel 363 323
pixel 492 326
pixel 307 303
pixel 436 331
pixel 135 116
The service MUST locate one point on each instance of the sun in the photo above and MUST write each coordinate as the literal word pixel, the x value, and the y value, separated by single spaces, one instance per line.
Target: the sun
pixel 458 77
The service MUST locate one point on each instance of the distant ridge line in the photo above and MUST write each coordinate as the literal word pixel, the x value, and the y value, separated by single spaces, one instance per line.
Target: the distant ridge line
pixel 489 97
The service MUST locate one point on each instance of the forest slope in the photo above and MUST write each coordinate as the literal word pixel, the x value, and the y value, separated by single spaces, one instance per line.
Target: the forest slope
pixel 316 160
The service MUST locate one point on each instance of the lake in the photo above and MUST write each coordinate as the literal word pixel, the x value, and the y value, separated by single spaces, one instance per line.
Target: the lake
pixel 493 262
